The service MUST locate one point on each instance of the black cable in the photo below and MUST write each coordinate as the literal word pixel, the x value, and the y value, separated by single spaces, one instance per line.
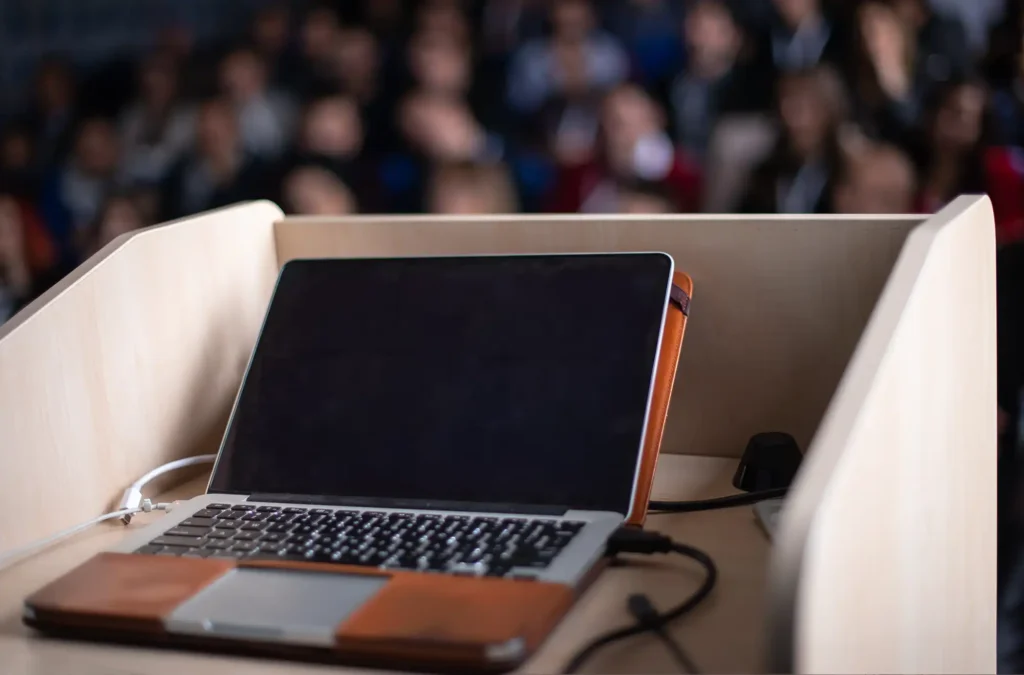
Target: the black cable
pixel 630 540
pixel 640 606
pixel 727 502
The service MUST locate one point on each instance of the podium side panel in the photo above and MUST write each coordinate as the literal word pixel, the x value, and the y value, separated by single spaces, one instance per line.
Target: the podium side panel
pixel 886 560
pixel 778 305
pixel 131 361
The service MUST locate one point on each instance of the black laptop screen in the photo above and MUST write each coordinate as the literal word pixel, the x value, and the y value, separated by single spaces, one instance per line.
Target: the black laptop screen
pixel 519 380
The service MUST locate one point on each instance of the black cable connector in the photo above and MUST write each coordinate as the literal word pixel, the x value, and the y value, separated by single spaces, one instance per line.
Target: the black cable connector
pixel 633 540
pixel 641 607
pixel 727 502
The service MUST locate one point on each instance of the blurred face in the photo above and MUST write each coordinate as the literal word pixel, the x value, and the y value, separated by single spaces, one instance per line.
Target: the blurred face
pixel 216 129
pixel 879 184
pixel 628 116
pixel 270 29
pixel 96 150
pixel 316 192
pixel 445 19
pixel 119 217
pixel 710 33
pixel 53 88
pixel 805 115
pixel 158 82
pixel 356 58
pixel 319 32
pixel 571 61
pixel 333 128
pixel 440 127
pixel 572 19
pixel 439 64
pixel 242 75
pixel 958 122
pixel 15 151
pixel 794 12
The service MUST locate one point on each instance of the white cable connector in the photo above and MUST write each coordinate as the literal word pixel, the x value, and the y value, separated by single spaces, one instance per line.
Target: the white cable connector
pixel 132 502
pixel 132 497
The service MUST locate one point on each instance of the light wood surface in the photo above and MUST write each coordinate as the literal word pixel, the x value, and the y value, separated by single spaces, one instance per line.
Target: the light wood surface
pixel 875 349
pixel 778 303
pixel 723 635
pixel 131 361
pixel 887 555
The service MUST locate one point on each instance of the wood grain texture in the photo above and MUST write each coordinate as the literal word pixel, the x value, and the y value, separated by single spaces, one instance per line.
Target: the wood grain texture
pixel 120 591
pixel 664 381
pixel 781 300
pixel 887 556
pixel 131 361
pixel 416 617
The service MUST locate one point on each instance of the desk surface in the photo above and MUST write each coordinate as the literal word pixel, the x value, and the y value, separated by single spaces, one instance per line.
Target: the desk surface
pixel 725 634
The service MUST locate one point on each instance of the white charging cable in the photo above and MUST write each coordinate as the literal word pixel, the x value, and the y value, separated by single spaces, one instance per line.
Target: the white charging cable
pixel 132 502
pixel 132 497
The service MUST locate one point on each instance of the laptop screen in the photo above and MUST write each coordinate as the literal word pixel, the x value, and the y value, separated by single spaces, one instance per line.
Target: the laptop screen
pixel 520 381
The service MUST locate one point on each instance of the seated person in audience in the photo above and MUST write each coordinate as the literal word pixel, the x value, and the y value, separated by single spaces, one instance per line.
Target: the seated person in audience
pixel 797 174
pixel 120 214
pixel 265 116
pixel 314 191
pixel 634 146
pixel 359 72
pixel 270 35
pixel 647 29
pixel 51 116
pixel 436 129
pixel 953 162
pixel 468 189
pixel 318 39
pixel 876 179
pixel 640 197
pixel 896 64
pixel 799 34
pixel 157 128
pixel 712 83
pixel 1008 99
pixel 15 278
pixel 331 135
pixel 18 171
pixel 534 75
pixel 218 171
pixel 72 194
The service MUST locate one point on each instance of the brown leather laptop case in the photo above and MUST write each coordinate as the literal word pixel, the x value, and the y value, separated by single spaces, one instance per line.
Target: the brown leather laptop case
pixel 417 621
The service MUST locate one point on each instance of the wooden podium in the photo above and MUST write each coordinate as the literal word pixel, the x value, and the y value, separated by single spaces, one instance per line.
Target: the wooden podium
pixel 871 340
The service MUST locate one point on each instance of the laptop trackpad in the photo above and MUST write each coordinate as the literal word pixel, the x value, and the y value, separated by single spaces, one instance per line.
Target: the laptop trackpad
pixel 272 605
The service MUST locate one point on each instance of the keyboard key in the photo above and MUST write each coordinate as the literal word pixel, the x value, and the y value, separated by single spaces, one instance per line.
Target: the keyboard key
pixel 217 544
pixel 169 540
pixel 245 546
pixel 254 516
pixel 272 537
pixel 207 513
pixel 219 534
pixel 188 531
pixel 174 550
pixel 227 515
pixel 196 521
pixel 268 509
pixel 228 524
pixel 218 506
pixel 293 509
pixel 245 535
pixel 149 549
pixel 229 554
pixel 242 507
pixel 253 527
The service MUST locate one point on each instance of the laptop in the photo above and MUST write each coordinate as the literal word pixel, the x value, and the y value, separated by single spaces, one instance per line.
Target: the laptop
pixel 422 466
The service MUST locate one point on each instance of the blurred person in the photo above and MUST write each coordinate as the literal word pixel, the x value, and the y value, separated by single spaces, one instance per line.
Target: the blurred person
pixel 799 35
pixel 952 162
pixel 712 84
pixel 647 29
pixel 440 63
pixel 876 179
pixel 15 279
pixel 471 189
pixel 120 215
pixel 1008 98
pixel 218 171
pixel 899 58
pixel 639 197
pixel 73 194
pixel 319 31
pixel 265 116
pixel 534 74
pixel 18 172
pixel 315 191
pixel 52 112
pixel 443 129
pixel 796 176
pixel 157 128
pixel 443 17
pixel 634 147
pixel 359 72
pixel 270 35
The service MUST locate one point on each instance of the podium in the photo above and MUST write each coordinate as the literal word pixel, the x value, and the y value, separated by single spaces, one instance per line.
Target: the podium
pixel 870 339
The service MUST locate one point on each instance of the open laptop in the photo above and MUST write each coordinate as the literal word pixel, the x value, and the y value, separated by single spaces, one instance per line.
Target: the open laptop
pixel 451 420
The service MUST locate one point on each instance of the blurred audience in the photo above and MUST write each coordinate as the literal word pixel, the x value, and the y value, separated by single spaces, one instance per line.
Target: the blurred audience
pixel 463 107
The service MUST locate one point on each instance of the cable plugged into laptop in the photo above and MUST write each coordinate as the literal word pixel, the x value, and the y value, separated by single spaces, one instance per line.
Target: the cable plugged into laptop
pixel 649 619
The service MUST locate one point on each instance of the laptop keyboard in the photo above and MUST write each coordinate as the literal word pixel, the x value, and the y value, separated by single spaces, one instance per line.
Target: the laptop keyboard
pixel 457 544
